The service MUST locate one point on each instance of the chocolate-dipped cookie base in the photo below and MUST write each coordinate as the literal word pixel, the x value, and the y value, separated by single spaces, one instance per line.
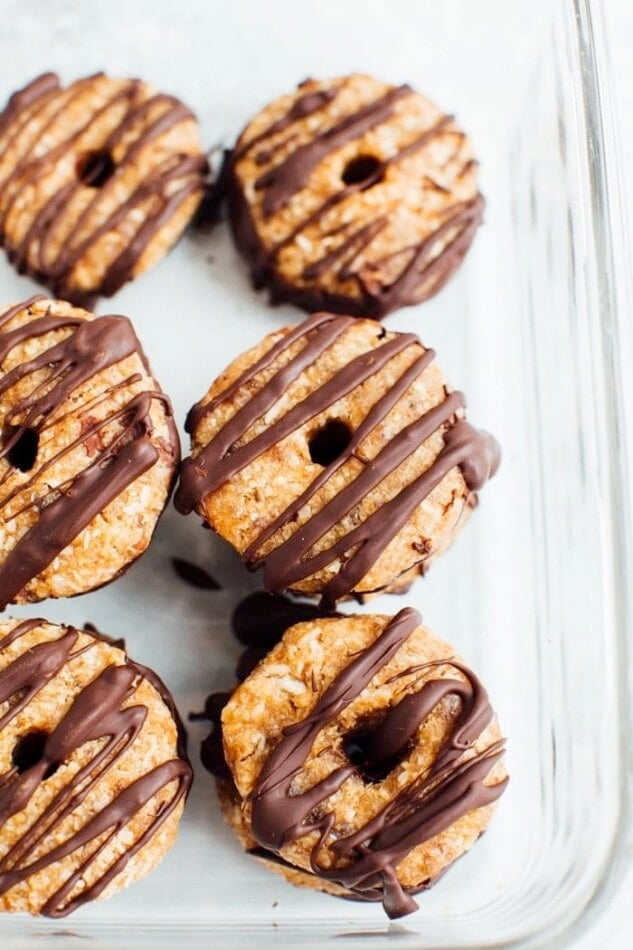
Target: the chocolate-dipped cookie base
pixel 353 196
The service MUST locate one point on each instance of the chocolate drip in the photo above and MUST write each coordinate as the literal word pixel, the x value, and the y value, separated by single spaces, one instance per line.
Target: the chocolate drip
pixel 258 622
pixel 194 575
pixel 96 713
pixel 211 748
pixel 175 179
pixel 475 452
pixel 428 805
pixel 92 347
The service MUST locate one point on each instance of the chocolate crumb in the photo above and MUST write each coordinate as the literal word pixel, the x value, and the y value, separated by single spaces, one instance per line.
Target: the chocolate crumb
pixel 261 619
pixel 211 748
pixel 247 662
pixel 193 575
pixel 422 547
pixel 210 210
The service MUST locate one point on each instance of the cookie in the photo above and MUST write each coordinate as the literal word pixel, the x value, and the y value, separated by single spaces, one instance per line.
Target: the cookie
pixel 88 450
pixel 97 181
pixel 93 769
pixel 362 752
pixel 333 456
pixel 353 196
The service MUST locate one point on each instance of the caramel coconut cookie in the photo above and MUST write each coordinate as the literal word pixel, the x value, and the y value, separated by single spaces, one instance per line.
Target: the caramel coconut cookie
pixel 333 456
pixel 97 181
pixel 353 196
pixel 93 769
pixel 364 757
pixel 88 450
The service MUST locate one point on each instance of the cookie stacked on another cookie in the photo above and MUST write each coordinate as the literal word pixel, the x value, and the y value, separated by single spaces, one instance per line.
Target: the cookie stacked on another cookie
pixel 363 758
pixel 97 181
pixel 354 196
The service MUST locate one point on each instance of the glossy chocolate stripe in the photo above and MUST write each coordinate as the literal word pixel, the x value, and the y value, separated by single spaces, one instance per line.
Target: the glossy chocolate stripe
pixel 17 308
pixel 29 673
pixel 304 106
pixel 424 265
pixel 24 98
pixel 202 409
pixel 197 475
pixel 222 466
pixel 62 520
pixel 374 417
pixel 288 563
pixel 94 346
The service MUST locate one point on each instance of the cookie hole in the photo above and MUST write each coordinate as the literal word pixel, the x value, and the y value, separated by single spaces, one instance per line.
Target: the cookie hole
pixel 28 751
pixel 95 168
pixel 22 447
pixel 363 171
pixel 329 442
pixel 357 748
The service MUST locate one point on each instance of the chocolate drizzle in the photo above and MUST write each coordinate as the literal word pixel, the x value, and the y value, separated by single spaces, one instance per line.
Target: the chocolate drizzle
pixel 303 106
pixel 426 265
pixel 96 713
pixel 365 861
pixel 67 508
pixel 291 560
pixel 292 174
pixel 155 199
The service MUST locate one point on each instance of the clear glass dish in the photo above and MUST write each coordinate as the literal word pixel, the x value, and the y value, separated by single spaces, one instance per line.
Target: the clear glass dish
pixel 536 591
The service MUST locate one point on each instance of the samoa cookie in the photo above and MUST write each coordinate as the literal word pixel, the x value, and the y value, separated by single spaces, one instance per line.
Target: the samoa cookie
pixel 334 456
pixel 88 450
pixel 93 768
pixel 363 753
pixel 354 196
pixel 98 180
